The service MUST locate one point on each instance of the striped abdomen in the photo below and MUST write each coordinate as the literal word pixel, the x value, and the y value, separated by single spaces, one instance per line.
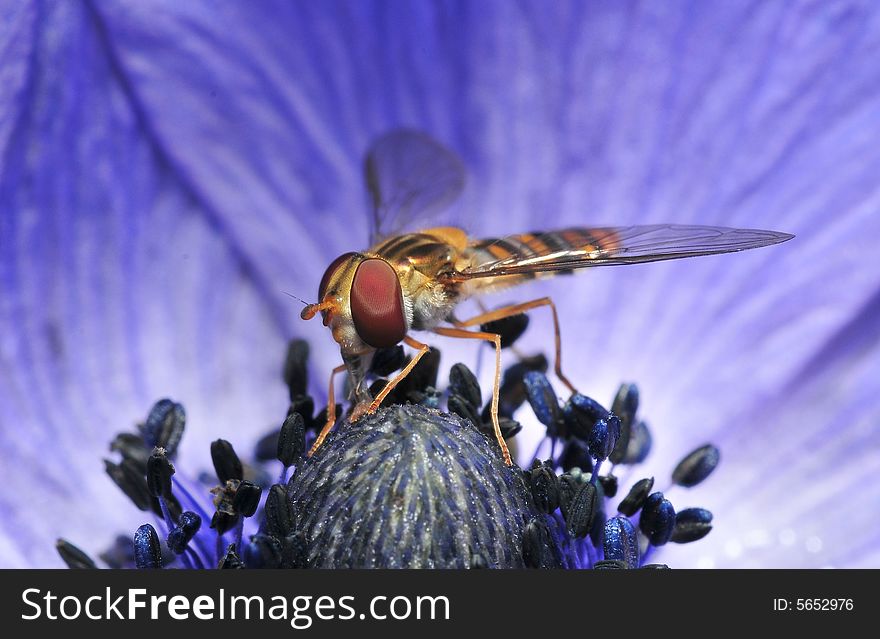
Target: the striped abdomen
pixel 550 248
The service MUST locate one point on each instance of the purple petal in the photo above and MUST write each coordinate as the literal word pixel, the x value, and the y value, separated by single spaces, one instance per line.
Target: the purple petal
pixel 117 289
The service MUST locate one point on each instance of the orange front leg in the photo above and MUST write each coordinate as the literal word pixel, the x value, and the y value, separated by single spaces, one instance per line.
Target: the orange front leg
pixel 377 401
pixel 331 412
pixel 496 340
pixel 365 409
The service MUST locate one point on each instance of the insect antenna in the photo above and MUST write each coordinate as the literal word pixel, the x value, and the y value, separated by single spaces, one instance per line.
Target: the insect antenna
pixel 304 303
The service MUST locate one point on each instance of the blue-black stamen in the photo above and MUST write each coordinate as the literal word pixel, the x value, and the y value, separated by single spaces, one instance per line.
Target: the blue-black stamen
pixel 625 406
pixel 609 485
pixel 463 382
pixel 509 328
pixel 512 393
pixel 542 399
pixel 636 497
pixel 291 440
pixel 388 360
pixel 544 485
pixel 227 465
pixel 621 542
pixel 147 548
pixel 278 511
pixel 464 409
pixel 691 524
pixel 247 498
pixel 580 414
pixel 187 526
pixel 658 519
pixel 296 373
pixel 639 445
pixel 537 545
pixel 603 437
pixel 130 479
pixel 159 473
pixel 696 466
pixel 73 556
pixel 579 502
pixel 164 426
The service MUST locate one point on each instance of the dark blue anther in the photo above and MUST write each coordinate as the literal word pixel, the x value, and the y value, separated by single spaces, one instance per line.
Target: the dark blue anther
pixel 658 519
pixel 537 547
pixel 227 465
pixel 129 477
pixel 696 466
pixel 462 382
pixel 291 439
pixel 691 524
pixel 509 427
pixel 509 328
pixel 247 498
pixel 609 485
pixel 621 542
pixel 580 414
pixel 542 398
pixel 305 406
pixel 464 409
pixel 603 437
pixel 159 473
pixel 639 446
pixel 296 372
pixel 513 391
pixel 147 550
pixel 636 497
pixel 187 526
pixel 388 360
pixel 580 503
pixel 279 512
pixel 544 485
pixel 164 426
pixel 222 521
pixel 625 405
pixel 610 564
pixel 73 556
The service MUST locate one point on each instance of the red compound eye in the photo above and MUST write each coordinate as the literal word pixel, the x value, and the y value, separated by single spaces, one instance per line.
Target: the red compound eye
pixel 377 304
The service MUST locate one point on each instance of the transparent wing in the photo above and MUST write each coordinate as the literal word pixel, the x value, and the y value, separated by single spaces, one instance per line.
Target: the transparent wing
pixel 410 177
pixel 584 247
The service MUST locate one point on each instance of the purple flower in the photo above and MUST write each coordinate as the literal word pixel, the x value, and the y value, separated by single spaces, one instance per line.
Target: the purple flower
pixel 169 170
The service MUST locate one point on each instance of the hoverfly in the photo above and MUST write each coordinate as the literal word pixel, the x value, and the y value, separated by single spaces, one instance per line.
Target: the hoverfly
pixel 412 281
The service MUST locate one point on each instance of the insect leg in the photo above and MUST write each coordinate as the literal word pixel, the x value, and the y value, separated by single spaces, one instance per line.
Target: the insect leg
pixel 496 340
pixel 516 309
pixel 331 412
pixel 409 341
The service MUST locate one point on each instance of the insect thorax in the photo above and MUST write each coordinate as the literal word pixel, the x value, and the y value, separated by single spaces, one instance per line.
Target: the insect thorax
pixel 420 261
